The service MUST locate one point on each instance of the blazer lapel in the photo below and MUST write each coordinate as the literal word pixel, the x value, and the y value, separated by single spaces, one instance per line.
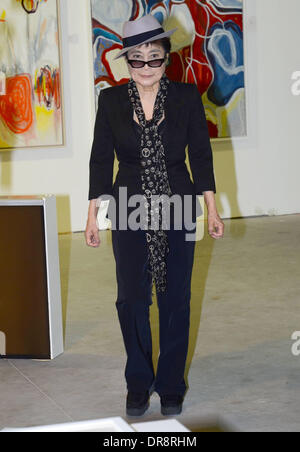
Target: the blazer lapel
pixel 126 111
pixel 173 107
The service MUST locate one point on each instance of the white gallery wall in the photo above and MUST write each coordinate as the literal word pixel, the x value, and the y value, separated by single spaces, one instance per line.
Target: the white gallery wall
pixel 257 175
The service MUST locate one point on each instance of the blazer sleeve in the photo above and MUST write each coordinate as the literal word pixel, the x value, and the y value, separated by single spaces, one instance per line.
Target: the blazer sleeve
pixel 199 148
pixel 102 153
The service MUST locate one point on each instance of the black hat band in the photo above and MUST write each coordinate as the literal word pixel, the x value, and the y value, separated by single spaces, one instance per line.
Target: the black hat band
pixel 141 37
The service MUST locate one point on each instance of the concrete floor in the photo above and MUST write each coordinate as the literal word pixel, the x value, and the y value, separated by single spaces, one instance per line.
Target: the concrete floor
pixel 240 370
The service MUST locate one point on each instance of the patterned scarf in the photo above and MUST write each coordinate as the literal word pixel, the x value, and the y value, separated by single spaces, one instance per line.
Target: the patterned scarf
pixel 154 181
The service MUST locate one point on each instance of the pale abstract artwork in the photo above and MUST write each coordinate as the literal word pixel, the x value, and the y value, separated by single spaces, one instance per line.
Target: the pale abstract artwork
pixel 30 98
pixel 207 49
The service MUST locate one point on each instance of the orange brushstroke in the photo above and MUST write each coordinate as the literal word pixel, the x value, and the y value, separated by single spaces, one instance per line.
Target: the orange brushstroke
pixel 16 105
pixel 57 90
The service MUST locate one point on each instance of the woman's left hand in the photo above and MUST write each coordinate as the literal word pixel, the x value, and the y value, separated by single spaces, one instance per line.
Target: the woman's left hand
pixel 215 225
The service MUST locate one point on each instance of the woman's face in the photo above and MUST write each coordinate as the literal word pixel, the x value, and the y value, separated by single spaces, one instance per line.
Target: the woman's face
pixel 147 76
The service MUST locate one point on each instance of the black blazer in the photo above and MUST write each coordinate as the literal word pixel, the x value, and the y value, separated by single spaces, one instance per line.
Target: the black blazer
pixel 185 125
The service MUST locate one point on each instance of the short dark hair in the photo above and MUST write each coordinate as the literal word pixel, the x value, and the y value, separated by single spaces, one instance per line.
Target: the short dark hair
pixel 164 42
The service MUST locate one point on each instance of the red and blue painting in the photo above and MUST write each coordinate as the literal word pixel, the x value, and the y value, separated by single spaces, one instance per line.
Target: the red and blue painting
pixel 207 49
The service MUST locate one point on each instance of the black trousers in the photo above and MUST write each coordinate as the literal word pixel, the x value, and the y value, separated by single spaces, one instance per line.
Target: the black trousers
pixel 133 302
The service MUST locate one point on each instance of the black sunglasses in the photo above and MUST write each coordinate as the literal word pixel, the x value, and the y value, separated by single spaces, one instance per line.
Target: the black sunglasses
pixel 152 63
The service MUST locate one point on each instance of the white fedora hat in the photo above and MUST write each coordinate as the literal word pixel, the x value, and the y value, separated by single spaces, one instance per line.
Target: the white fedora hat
pixel 139 31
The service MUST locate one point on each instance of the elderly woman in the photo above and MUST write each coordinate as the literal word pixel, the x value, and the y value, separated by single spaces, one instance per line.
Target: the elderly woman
pixel 149 121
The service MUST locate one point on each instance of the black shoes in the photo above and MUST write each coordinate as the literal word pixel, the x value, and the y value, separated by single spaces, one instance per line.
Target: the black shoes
pixel 137 403
pixel 171 404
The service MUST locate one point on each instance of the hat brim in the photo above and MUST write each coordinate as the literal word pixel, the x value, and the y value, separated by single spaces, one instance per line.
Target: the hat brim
pixel 154 38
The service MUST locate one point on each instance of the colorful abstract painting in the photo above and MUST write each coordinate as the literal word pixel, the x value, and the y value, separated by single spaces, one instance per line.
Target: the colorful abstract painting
pixel 207 49
pixel 30 106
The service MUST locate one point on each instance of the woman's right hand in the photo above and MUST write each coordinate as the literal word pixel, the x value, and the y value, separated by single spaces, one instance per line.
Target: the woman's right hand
pixel 92 228
pixel 91 233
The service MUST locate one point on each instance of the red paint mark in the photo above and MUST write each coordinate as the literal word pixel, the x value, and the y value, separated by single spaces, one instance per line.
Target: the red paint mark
pixel 136 10
pixel 16 105
pixel 57 90
pixel 106 79
pixel 212 129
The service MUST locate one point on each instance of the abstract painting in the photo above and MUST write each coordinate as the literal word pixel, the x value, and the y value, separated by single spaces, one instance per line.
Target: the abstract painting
pixel 30 101
pixel 207 49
